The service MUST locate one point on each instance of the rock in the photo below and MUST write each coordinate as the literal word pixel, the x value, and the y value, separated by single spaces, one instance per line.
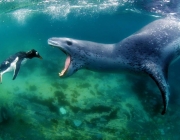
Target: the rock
pixel 162 131
pixel 98 137
pixel 77 123
pixel 62 110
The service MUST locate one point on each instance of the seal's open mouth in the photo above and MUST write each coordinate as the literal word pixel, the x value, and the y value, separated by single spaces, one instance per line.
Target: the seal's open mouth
pixel 53 43
pixel 66 66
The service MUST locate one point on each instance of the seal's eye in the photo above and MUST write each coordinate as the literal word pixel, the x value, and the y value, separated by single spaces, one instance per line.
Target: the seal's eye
pixel 69 42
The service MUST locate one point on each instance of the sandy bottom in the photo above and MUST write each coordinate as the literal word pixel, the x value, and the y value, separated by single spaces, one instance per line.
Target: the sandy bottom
pixel 88 105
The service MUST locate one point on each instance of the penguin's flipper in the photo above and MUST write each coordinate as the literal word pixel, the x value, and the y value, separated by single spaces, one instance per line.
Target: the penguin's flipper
pixel 0 78
pixel 17 68
pixel 159 76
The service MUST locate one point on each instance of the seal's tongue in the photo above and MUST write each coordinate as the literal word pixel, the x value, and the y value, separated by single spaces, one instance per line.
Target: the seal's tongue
pixel 67 63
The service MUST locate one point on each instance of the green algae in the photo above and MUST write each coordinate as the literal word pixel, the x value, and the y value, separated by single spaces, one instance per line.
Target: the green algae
pixel 32 88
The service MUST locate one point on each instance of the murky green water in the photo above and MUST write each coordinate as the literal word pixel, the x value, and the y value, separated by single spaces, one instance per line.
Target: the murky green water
pixel 87 105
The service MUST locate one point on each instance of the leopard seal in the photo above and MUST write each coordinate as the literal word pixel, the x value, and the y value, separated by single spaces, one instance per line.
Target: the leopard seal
pixel 150 50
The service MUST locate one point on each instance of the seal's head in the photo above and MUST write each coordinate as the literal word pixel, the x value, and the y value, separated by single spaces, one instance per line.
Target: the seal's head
pixel 71 48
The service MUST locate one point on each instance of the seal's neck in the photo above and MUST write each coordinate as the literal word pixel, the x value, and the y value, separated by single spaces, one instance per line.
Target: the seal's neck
pixel 105 57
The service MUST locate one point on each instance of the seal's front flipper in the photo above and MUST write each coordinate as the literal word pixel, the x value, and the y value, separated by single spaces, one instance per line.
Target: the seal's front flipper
pixel 156 73
pixel 16 69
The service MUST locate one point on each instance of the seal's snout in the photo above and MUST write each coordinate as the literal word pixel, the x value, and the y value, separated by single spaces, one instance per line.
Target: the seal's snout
pixel 53 42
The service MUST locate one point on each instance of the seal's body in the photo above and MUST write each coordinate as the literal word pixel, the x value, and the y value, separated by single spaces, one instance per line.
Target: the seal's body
pixel 151 50
pixel 14 62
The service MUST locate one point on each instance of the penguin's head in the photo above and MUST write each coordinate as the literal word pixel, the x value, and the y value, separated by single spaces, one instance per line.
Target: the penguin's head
pixel 33 53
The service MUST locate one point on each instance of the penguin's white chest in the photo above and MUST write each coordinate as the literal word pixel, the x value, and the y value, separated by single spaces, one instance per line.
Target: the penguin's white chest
pixel 12 66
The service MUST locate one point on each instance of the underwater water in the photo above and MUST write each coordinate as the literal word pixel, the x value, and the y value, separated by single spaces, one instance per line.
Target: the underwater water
pixel 88 105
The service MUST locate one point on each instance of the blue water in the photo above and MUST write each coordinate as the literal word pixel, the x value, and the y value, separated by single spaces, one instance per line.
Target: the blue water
pixel 87 105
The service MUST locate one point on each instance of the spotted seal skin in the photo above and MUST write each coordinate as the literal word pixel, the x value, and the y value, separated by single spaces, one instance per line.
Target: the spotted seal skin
pixel 151 50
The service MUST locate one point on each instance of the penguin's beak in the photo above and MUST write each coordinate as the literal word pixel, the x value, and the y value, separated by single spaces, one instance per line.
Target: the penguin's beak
pixel 40 57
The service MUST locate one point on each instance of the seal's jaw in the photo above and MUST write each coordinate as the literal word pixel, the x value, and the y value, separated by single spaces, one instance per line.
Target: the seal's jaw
pixel 64 44
pixel 66 66
pixel 53 42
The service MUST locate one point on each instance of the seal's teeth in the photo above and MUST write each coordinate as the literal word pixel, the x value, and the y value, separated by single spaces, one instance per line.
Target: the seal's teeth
pixel 62 72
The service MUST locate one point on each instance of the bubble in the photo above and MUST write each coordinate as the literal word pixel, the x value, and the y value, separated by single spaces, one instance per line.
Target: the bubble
pixel 166 0
pixel 58 10
pixel 21 15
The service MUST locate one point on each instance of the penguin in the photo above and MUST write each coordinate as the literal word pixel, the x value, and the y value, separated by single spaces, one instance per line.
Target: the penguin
pixel 13 63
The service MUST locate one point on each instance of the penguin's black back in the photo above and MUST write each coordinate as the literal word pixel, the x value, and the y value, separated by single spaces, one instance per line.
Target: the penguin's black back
pixel 6 63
